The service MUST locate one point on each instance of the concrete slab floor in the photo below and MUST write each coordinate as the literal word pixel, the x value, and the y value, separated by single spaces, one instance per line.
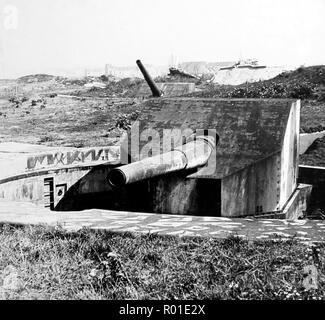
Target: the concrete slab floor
pixel 120 221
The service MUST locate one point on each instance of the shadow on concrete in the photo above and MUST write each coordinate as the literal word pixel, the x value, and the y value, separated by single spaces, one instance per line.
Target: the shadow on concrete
pixel 164 194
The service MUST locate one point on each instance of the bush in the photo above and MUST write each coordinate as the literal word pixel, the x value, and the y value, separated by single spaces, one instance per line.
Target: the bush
pixel 124 121
pixel 303 83
pixel 103 78
pixel 302 91
pixel 321 95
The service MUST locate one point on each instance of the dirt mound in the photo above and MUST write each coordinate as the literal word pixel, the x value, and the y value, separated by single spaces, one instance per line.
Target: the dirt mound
pixel 127 87
pixel 71 81
pixel 315 154
pixel 199 68
pixel 35 78
pixel 314 74
pixel 177 75
pixel 231 72
pixel 302 83
pixel 238 76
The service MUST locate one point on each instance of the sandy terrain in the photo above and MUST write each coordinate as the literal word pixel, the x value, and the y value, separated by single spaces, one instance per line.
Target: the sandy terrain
pixel 60 121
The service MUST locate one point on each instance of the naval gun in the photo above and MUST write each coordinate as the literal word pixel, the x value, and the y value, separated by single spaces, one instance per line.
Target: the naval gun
pixel 153 87
pixel 193 154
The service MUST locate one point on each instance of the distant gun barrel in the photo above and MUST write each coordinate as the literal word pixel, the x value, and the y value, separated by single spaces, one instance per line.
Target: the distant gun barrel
pixel 154 89
pixel 190 155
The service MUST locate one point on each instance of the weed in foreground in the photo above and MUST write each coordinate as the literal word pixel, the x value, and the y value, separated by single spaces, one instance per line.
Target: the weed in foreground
pixel 50 263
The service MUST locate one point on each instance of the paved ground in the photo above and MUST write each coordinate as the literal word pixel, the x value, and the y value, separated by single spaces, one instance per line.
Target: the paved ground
pixel 120 221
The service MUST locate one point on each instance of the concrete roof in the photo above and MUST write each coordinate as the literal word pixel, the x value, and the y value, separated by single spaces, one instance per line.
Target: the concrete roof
pixel 170 89
pixel 249 129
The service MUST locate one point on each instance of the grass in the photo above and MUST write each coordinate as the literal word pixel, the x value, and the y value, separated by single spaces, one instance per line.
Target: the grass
pixel 50 263
pixel 312 116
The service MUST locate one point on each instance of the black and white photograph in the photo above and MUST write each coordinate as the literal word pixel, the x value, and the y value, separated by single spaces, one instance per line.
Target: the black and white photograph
pixel 168 152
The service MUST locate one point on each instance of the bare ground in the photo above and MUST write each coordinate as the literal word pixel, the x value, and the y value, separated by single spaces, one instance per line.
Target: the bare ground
pixel 64 121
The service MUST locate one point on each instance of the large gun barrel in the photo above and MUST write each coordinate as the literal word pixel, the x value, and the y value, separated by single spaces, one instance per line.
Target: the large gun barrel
pixel 154 89
pixel 188 156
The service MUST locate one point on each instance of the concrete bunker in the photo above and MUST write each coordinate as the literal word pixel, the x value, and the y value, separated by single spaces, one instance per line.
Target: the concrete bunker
pixel 217 157
pixel 252 171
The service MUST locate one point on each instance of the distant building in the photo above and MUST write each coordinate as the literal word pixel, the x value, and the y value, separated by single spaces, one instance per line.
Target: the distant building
pixel 201 67
pixel 133 71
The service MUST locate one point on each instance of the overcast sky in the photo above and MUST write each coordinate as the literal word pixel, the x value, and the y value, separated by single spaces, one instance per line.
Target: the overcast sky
pixel 43 35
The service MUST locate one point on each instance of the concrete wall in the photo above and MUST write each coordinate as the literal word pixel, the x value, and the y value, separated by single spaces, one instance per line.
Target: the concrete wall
pixel 18 159
pixel 267 185
pixel 176 194
pixel 44 175
pixel 253 190
pixel 290 155
pixel 67 189
pixel 35 189
pixel 297 205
